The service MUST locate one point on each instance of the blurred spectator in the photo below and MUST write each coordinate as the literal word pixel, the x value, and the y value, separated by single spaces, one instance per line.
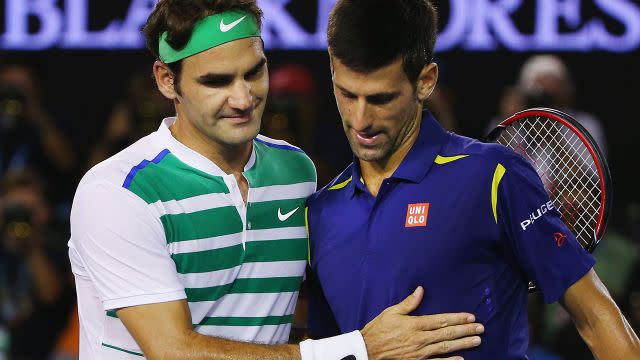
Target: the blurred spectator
pixel 29 136
pixel 291 108
pixel 632 295
pixel 616 257
pixel 545 82
pixel 537 324
pixel 512 100
pixel 440 104
pixel 133 117
pixel 36 291
pixel 68 346
pixel 291 113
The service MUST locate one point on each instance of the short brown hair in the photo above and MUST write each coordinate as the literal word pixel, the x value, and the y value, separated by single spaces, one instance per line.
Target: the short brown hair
pixel 179 17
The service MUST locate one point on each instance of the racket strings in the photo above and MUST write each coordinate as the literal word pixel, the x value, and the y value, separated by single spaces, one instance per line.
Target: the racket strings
pixel 567 170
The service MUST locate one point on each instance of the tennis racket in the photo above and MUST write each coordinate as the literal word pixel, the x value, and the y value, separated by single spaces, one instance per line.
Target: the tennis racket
pixel 570 164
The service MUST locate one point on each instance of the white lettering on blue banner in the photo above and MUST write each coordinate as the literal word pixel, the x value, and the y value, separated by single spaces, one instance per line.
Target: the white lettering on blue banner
pixel 472 25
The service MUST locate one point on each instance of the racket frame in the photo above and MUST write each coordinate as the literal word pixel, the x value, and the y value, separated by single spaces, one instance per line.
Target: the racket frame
pixel 606 185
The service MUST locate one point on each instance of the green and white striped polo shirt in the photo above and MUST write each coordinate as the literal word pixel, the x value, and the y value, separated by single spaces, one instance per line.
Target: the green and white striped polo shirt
pixel 159 222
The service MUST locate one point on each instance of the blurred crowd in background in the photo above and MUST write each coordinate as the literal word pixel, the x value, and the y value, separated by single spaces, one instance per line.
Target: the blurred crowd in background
pixel 40 166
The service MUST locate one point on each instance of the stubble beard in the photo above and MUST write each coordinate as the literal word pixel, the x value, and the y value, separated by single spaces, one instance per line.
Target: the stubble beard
pixel 230 135
pixel 385 150
pixel 232 139
pixel 371 154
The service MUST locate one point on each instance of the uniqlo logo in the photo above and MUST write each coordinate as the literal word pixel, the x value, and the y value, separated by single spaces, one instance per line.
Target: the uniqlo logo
pixel 417 215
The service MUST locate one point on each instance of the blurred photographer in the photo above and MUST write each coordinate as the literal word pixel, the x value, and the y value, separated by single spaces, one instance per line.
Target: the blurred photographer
pixel 292 114
pixel 545 81
pixel 29 136
pixel 132 117
pixel 36 292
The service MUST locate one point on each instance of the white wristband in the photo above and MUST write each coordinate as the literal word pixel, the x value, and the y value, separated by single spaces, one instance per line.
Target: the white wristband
pixel 348 346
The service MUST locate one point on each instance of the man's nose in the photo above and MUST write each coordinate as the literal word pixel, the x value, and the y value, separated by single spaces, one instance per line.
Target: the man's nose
pixel 361 118
pixel 240 96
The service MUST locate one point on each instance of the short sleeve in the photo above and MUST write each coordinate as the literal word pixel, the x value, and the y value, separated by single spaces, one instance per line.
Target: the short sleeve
pixel 121 247
pixel 544 247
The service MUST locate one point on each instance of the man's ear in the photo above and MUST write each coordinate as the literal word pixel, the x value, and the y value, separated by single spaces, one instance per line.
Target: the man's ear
pixel 165 80
pixel 427 80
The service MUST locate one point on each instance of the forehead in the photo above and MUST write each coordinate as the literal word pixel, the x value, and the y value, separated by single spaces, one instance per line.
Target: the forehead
pixel 386 79
pixel 236 56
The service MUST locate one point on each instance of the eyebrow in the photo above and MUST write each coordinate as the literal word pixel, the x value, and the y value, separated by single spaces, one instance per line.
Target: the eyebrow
pixel 257 66
pixel 390 94
pixel 227 78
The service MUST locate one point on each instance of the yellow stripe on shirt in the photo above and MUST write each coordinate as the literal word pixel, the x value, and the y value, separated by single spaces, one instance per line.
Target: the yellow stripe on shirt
pixel 341 185
pixel 447 159
pixel 497 176
pixel 306 225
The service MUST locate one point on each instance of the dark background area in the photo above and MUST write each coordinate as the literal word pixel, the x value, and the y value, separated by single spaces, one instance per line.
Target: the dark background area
pixel 81 88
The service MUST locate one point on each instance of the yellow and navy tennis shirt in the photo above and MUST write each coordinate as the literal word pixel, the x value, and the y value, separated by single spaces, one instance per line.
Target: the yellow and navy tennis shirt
pixel 468 221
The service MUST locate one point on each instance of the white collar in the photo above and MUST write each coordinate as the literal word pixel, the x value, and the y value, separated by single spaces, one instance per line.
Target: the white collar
pixel 192 157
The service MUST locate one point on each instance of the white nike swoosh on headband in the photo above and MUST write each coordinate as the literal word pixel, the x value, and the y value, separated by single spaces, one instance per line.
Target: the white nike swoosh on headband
pixel 224 27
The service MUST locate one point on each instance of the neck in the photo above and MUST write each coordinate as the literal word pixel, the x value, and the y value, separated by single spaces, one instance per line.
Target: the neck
pixel 231 159
pixel 374 172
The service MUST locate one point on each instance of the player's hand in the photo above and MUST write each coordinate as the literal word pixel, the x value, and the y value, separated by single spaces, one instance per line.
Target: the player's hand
pixel 396 335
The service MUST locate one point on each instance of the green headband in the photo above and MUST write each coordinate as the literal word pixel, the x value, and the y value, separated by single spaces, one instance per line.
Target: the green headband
pixel 212 31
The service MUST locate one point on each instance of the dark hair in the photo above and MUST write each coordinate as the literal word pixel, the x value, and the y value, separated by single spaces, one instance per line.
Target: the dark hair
pixel 366 35
pixel 179 17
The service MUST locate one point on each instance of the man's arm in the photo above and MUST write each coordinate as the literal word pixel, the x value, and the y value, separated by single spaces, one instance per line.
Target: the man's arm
pixel 164 331
pixel 599 320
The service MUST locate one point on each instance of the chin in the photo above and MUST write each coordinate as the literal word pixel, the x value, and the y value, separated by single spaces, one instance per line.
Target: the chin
pixel 369 158
pixel 240 139
pixel 368 154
